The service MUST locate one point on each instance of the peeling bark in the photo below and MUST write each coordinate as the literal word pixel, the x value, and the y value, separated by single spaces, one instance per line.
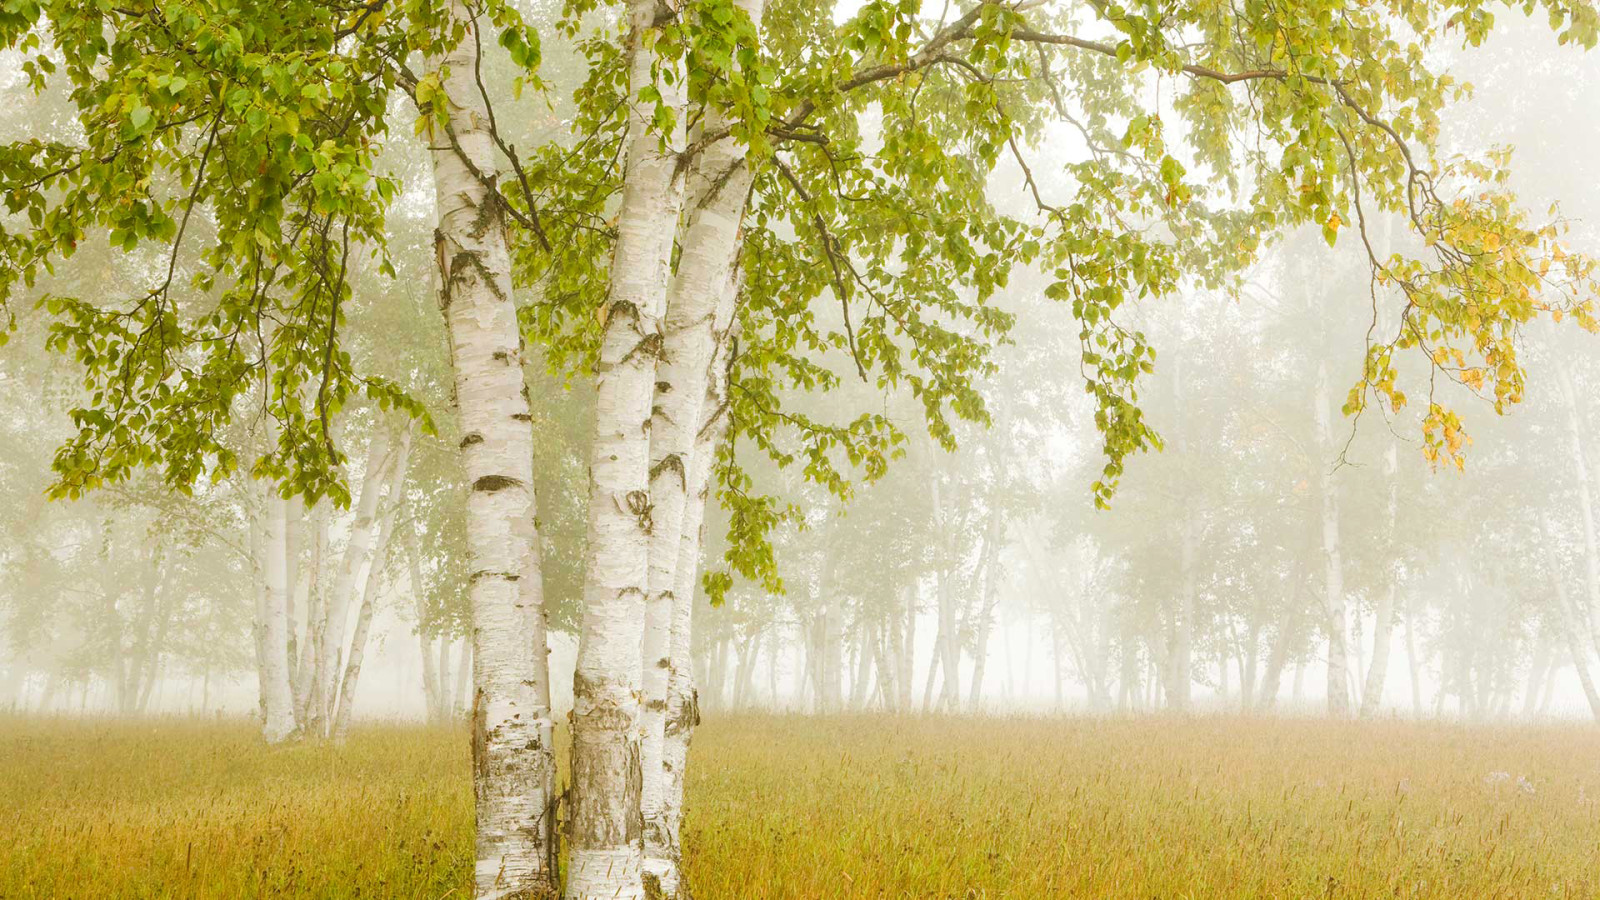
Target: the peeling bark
pixel 513 767
pixel 606 827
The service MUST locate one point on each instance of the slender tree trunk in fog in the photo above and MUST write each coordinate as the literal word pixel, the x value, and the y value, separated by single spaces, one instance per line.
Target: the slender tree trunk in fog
pixel 1334 600
pixel 447 690
pixel 311 674
pixel 357 554
pixel 258 623
pixel 466 653
pixel 430 663
pixel 986 605
pixel 294 520
pixel 1383 626
pixel 1539 669
pixel 430 678
pixel 863 674
pixel 1248 660
pixel 908 649
pixel 606 826
pixel 279 698
pixel 1590 611
pixel 1572 627
pixel 1180 656
pixel 369 591
pixel 886 636
pixel 1412 662
pixel 513 762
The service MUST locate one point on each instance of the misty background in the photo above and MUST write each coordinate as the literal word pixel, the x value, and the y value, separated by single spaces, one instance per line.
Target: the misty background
pixel 976 580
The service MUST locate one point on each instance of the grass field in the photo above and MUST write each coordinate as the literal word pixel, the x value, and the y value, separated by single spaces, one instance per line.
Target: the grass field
pixel 788 807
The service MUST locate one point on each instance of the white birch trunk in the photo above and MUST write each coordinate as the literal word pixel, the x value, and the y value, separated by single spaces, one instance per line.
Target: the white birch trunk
pixel 718 186
pixel 1383 627
pixel 606 823
pixel 357 553
pixel 369 591
pixel 908 649
pixel 513 767
pixel 1591 548
pixel 683 708
pixel 1334 600
pixel 279 723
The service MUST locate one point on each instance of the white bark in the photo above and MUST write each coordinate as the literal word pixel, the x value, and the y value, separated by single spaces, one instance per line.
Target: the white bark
pixel 337 603
pixel 1333 598
pixel 718 187
pixel 513 768
pixel 279 723
pixel 369 591
pixel 683 708
pixel 1591 548
pixel 606 825
pixel 1383 628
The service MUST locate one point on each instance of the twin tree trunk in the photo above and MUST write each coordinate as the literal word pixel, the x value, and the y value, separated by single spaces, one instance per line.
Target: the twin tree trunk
pixel 512 753
pixel 685 424
pixel 607 828
pixel 642 549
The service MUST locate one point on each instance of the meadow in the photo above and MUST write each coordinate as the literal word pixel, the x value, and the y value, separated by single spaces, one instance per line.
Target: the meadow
pixel 839 807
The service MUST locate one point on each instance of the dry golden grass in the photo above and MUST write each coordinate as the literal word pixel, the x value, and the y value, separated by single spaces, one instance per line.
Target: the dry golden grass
pixel 847 807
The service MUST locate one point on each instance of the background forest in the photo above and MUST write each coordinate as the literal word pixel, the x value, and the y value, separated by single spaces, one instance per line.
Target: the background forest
pixel 1100 428
pixel 1473 593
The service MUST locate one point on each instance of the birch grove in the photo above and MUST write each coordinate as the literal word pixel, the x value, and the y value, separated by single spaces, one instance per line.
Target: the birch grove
pixel 831 337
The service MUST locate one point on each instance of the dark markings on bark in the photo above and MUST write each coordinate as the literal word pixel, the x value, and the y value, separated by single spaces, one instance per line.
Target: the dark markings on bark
pixel 648 347
pixel 472 438
pixel 491 483
pixel 663 387
pixel 480 743
pixel 656 705
pixel 501 355
pixel 522 417
pixel 439 242
pixel 674 462
pixel 639 507
pixel 490 573
pixel 487 212
pixel 688 714
pixel 633 791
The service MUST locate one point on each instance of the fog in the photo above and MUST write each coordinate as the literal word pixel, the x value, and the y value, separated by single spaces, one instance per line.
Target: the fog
pixel 1475 588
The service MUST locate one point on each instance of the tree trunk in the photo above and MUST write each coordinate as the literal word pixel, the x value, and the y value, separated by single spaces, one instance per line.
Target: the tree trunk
pixel 1538 670
pixel 699 303
pixel 1383 627
pixel 1590 612
pixel 338 602
pixel 513 764
pixel 991 569
pixel 908 650
pixel 1180 656
pixel 606 826
pixel 369 591
pixel 683 706
pixel 1575 643
pixel 280 724
pixel 430 678
pixel 312 669
pixel 1334 599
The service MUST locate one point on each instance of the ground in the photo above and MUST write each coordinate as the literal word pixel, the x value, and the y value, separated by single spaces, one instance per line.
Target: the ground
pixel 846 807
